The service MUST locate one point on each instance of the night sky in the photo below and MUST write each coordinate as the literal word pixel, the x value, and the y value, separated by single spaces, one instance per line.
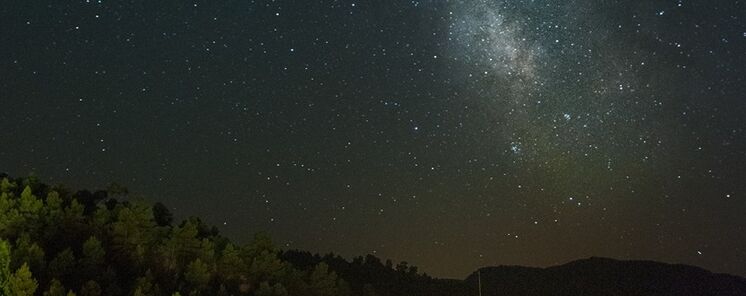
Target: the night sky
pixel 450 134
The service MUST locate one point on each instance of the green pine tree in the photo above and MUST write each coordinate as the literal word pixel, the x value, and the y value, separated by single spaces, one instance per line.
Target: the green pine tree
pixel 197 275
pixel 55 289
pixel 323 282
pixel 21 283
pixel 4 264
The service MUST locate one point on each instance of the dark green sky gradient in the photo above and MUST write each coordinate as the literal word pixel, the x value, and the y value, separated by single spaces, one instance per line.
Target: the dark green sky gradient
pixel 450 134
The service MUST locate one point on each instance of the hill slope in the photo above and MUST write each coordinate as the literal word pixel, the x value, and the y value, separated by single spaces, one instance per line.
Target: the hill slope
pixel 603 276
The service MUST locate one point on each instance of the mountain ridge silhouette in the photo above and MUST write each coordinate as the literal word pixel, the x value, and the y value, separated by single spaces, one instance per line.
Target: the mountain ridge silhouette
pixel 606 276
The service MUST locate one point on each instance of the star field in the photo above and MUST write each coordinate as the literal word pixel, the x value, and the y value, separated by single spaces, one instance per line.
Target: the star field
pixel 450 134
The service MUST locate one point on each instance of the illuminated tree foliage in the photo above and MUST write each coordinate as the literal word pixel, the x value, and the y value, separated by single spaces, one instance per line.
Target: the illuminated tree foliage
pixel 92 244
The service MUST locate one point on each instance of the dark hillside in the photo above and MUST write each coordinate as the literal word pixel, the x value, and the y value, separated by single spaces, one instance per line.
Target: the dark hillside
pixel 603 276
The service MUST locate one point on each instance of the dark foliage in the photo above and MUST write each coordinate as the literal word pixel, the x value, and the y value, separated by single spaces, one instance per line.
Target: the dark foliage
pixel 91 243
pixel 385 280
pixel 56 242
pixel 162 215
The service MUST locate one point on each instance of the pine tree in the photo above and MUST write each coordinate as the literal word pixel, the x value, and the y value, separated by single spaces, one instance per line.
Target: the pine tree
pixel 323 282
pixel 93 257
pixel 55 289
pixel 29 205
pixel 21 283
pixel 74 212
pixel 132 233
pixel 4 264
pixel 10 217
pixel 197 275
pixel 144 284
pixel 230 262
pixel 53 214
pixel 90 288
pixel 28 252
pixel 7 186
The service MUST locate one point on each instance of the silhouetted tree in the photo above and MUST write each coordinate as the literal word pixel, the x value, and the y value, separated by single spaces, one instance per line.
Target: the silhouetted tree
pixel 162 215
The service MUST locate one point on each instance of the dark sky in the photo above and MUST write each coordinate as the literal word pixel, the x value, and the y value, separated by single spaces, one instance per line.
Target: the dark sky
pixel 450 134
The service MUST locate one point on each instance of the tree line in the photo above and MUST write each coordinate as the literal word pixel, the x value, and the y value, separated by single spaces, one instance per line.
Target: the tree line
pixel 58 242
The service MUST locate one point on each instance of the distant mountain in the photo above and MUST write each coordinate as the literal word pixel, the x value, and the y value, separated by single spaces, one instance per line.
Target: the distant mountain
pixel 603 276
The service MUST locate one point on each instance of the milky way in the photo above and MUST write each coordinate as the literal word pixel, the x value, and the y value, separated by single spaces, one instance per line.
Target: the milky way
pixel 450 134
